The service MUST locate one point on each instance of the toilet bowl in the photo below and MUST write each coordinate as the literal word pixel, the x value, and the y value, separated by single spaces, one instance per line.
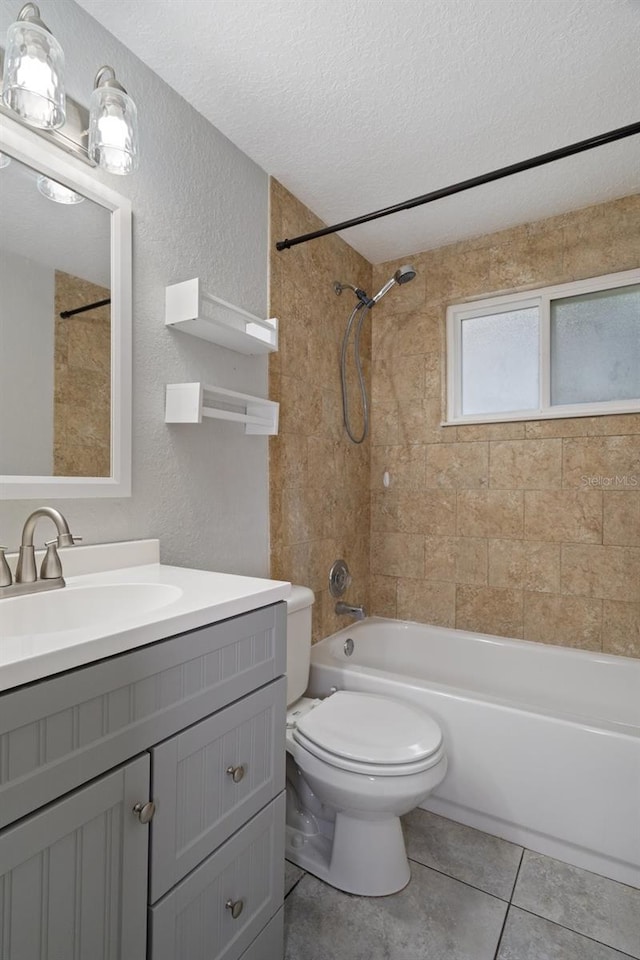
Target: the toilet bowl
pixel 356 762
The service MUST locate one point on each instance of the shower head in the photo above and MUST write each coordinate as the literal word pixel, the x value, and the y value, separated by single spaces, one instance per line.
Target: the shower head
pixel 402 275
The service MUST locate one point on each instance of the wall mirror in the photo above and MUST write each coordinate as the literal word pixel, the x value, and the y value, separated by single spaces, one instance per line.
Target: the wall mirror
pixel 65 326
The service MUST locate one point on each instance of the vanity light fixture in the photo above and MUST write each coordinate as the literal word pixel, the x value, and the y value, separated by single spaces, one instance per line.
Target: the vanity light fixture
pixel 113 125
pixel 55 191
pixel 33 83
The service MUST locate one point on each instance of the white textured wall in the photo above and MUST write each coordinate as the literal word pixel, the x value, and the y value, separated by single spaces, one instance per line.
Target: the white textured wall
pixel 27 291
pixel 200 209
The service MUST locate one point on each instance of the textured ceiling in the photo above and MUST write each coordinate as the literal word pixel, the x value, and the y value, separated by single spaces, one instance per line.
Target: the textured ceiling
pixel 358 104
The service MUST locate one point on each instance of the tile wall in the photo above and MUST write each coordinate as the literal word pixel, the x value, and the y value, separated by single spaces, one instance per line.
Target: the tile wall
pixel 319 481
pixel 491 527
pixel 495 528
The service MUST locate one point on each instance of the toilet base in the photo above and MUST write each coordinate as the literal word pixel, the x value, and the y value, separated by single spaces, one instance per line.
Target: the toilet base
pixel 363 857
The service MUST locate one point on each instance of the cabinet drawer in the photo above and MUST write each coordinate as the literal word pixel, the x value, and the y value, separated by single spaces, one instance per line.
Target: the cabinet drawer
pixel 198 802
pixel 269 944
pixel 61 732
pixel 193 920
pixel 73 878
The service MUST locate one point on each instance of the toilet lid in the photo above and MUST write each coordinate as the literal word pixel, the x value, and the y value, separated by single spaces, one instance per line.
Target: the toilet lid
pixel 370 729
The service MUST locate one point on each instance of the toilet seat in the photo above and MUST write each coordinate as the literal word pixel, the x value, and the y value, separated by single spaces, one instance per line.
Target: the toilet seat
pixel 369 734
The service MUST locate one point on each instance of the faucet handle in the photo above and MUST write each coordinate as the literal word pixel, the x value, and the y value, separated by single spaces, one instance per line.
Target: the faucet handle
pixel 5 573
pixel 51 568
pixel 65 540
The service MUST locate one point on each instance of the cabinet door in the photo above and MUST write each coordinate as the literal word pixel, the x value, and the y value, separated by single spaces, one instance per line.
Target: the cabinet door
pixel 73 877
pixel 220 908
pixel 212 778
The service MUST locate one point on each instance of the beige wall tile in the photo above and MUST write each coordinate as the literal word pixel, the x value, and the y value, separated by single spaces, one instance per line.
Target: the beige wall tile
pixel 433 375
pixel 526 464
pixel 471 561
pixel 397 555
pixel 491 431
pixel 288 460
pixel 383 597
pixel 605 463
pixel 542 429
pixel 398 377
pixel 507 563
pixel 490 513
pixel 440 558
pixel 563 515
pixel 542 566
pixel 404 334
pixel 568 621
pixel 611 573
pixel 385 511
pixel 430 512
pixel 621 424
pixel 427 602
pixel 602 239
pixel 299 405
pixel 321 460
pixel 533 257
pixel 385 430
pixel 621 518
pixel 405 465
pixel 301 517
pixel 456 271
pixel 489 610
pixel 457 465
pixel 420 421
pixel 531 565
pixel 621 628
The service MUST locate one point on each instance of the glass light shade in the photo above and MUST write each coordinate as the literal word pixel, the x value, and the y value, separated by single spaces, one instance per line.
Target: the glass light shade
pixel 53 190
pixel 113 130
pixel 33 84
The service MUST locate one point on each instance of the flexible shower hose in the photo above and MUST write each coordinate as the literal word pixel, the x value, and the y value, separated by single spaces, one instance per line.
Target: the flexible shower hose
pixel 343 373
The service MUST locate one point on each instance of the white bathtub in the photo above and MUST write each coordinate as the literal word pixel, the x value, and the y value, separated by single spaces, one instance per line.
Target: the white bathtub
pixel 543 741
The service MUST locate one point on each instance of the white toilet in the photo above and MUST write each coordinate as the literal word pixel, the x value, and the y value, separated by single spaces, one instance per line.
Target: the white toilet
pixel 355 763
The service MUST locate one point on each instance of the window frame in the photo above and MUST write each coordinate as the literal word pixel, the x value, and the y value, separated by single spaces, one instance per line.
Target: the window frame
pixel 541 297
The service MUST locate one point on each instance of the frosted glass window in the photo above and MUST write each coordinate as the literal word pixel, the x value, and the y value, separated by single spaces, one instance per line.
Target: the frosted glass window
pixel 500 367
pixel 595 346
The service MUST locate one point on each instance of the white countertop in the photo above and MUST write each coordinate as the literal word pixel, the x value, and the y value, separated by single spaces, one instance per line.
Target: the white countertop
pixel 194 598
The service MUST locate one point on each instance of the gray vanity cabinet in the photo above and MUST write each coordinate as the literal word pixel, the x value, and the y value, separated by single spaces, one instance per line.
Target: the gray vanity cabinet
pixel 195 722
pixel 74 874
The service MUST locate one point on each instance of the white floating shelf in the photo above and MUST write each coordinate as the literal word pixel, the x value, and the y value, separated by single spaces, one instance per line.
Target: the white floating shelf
pixel 190 402
pixel 191 309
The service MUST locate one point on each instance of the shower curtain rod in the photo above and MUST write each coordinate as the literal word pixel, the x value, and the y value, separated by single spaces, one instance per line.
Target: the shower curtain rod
pixel 543 158
pixel 65 314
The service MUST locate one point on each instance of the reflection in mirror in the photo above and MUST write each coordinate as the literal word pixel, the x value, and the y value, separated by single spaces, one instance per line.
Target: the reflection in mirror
pixel 55 344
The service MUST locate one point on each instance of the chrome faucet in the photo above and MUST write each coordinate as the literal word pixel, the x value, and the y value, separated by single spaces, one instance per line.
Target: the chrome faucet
pixel 346 609
pixel 26 580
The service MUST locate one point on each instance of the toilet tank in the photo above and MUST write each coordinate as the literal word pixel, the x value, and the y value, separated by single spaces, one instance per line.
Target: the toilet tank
pixel 299 606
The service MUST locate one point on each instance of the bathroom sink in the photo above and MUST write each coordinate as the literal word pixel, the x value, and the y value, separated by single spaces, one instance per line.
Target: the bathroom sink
pixel 74 607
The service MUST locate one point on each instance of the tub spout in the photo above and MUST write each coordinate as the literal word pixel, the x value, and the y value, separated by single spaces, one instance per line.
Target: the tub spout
pixel 346 609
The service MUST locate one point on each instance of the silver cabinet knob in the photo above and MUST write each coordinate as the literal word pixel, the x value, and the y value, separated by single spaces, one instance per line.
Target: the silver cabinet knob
pixel 236 773
pixel 145 811
pixel 236 907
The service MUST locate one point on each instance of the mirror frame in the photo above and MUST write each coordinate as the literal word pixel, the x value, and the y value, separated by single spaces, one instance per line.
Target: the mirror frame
pixel 32 150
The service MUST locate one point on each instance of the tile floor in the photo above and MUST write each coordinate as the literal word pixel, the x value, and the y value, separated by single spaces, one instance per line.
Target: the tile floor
pixel 471 897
